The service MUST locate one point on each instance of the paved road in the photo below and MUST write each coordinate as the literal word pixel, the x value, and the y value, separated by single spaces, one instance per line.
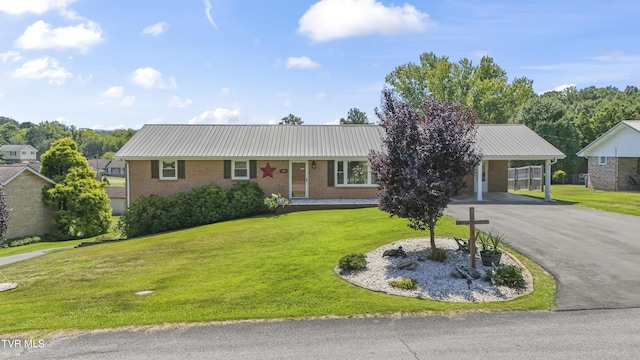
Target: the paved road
pixel 598 334
pixel 594 255
pixel 5 260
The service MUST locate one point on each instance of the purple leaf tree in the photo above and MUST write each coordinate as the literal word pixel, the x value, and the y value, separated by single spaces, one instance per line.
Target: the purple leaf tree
pixel 426 154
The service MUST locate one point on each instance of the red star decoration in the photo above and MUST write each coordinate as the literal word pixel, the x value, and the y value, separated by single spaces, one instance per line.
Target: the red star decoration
pixel 267 171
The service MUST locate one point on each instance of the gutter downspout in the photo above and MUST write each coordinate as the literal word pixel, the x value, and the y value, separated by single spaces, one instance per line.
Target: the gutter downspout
pixel 547 179
pixel 127 184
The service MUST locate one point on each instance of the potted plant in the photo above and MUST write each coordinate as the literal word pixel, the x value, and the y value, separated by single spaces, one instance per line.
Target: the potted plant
pixel 490 243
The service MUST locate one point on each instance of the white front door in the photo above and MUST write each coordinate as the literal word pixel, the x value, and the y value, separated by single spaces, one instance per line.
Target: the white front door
pixel 298 179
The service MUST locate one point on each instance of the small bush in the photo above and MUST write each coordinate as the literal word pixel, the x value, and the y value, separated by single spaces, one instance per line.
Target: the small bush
pixel 438 255
pixel 352 262
pixel 511 276
pixel 22 241
pixel 405 283
pixel 245 199
pixel 276 200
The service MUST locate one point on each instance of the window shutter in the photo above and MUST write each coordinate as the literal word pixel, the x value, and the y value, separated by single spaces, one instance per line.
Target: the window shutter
pixel 331 176
pixel 180 169
pixel 227 169
pixel 253 169
pixel 155 169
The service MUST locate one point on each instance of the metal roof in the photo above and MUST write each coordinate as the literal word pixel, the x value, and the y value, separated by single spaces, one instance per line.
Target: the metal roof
pixel 630 124
pixel 257 142
pixel 290 142
pixel 514 142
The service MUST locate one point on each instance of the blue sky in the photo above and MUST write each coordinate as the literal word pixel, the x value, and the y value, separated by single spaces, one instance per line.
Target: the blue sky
pixel 108 64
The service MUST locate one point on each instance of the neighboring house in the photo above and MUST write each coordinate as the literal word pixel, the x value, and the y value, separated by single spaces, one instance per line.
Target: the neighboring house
pixel 107 167
pixel 18 154
pixel 23 193
pixel 614 158
pixel 118 199
pixel 114 168
pixel 297 161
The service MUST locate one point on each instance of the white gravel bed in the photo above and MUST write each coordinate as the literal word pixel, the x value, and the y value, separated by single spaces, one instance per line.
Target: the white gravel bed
pixel 435 280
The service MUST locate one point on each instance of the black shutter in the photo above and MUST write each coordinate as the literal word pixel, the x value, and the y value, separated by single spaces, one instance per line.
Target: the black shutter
pixel 155 169
pixel 180 169
pixel 331 176
pixel 253 169
pixel 227 169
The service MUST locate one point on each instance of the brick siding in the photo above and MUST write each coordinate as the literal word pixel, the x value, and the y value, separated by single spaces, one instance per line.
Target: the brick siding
pixel 603 177
pixel 29 216
pixel 202 172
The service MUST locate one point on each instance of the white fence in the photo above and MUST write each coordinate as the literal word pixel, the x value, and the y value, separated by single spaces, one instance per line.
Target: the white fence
pixel 525 178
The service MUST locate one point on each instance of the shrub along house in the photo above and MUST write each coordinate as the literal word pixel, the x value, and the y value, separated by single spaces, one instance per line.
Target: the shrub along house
pixel 614 158
pixel 301 162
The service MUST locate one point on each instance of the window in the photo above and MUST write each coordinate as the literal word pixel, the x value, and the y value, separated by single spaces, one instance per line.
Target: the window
pixel 24 152
pixel 638 167
pixel 351 172
pixel 168 170
pixel 602 160
pixel 240 170
pixel 13 153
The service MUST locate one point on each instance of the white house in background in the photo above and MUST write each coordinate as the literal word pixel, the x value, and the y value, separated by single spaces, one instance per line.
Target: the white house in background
pixel 614 158
pixel 19 154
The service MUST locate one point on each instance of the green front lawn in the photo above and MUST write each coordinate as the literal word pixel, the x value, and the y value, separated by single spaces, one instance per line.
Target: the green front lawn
pixel 613 201
pixel 257 268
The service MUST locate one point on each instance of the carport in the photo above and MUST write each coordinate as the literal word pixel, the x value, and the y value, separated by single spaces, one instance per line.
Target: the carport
pixel 500 144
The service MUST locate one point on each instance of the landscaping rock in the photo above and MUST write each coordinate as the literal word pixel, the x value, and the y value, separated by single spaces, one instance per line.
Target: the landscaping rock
pixel 407 264
pixel 468 272
pixel 394 252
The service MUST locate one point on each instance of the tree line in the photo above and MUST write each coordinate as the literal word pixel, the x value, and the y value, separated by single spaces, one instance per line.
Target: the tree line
pixel 91 143
pixel 569 119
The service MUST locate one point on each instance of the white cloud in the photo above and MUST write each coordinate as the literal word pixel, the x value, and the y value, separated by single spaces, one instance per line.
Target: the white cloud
pixel 102 127
pixel 156 29
pixel 321 96
pixel 301 62
pixel 225 91
pixel 177 102
pixel 207 11
pixel 113 92
pixel 128 101
pixel 333 122
pixel 336 19
pixel 10 55
pixel 273 122
pixel 150 78
pixel 43 68
pixel 479 54
pixel 40 35
pixel 62 120
pixel 1 94
pixel 19 7
pixel 217 116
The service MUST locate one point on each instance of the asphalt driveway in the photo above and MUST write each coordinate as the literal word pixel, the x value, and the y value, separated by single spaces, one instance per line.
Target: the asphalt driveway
pixel 594 255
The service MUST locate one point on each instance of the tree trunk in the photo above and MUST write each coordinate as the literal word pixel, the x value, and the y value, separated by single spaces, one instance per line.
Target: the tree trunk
pixel 432 235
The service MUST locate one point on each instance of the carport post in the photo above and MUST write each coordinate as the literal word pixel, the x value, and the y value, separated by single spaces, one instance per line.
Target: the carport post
pixel 547 181
pixel 479 182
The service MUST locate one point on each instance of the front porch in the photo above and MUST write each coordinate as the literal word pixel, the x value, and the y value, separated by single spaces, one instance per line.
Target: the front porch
pixel 327 204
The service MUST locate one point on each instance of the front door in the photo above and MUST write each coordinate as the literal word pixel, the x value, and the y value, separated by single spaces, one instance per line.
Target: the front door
pixel 298 178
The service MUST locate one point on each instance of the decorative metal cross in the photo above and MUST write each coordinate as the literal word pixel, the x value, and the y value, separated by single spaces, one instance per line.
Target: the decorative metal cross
pixel 472 222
